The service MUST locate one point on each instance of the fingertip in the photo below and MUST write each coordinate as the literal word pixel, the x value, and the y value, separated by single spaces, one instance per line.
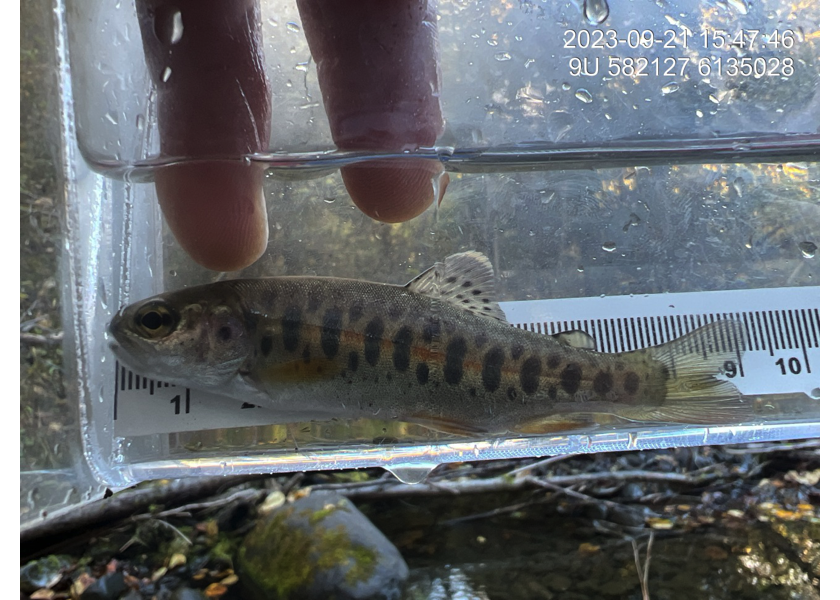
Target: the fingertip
pixel 394 191
pixel 216 211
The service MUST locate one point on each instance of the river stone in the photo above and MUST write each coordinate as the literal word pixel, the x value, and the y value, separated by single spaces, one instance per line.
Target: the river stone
pixel 320 546
pixel 41 573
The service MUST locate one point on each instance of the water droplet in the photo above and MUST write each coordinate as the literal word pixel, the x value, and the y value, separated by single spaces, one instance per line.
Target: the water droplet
pixel 815 393
pixel 714 99
pixel 173 273
pixel 302 66
pixel 808 249
pixel 165 74
pixel 493 42
pixel 293 27
pixel 273 22
pixel 584 96
pixel 140 122
pixel 633 221
pixel 670 88
pixel 699 114
pixel 531 233
pixel 738 186
pixel 111 118
pixel 502 56
pixel 608 247
pixel 169 27
pixel 413 473
pixel 580 269
pixel 565 86
pixel 595 11
pixel 329 199
pixel 739 6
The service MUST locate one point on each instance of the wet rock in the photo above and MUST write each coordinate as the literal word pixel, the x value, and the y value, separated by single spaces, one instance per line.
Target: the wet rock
pixel 320 547
pixel 107 587
pixel 43 572
pixel 186 593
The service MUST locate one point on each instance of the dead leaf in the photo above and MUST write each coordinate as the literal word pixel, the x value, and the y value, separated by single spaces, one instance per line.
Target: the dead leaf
pixel 42 594
pixel 215 590
pixel 588 549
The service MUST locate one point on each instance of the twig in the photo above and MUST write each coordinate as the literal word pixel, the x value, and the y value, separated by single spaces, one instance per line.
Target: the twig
pixel 764 448
pixel 539 464
pixel 389 487
pixel 33 339
pixel 500 511
pixel 643 575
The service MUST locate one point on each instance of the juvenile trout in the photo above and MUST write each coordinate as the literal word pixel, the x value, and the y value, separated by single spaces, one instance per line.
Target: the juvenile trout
pixel 437 352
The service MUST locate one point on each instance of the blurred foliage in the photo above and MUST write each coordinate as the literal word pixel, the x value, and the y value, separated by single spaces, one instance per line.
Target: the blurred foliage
pixel 45 418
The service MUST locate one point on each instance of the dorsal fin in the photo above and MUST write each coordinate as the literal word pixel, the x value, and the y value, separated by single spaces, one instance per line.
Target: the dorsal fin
pixel 465 280
pixel 575 338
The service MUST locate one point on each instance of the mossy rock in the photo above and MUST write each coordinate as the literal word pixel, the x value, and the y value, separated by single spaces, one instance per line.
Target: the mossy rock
pixel 320 547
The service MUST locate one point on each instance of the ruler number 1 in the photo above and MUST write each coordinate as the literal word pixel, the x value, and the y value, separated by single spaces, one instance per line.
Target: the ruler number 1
pixel 793 365
pixel 177 402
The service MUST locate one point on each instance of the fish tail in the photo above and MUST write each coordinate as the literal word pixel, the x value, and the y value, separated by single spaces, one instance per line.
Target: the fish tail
pixel 696 368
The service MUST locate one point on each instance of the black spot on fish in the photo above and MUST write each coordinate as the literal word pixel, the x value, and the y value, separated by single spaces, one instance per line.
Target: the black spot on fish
pixel 459 296
pixel 395 310
pixel 265 345
pixel 451 279
pixel 373 340
pixel 466 284
pixel 529 375
pixel 552 392
pixel 476 292
pixel 602 383
pixel 619 366
pixel 313 300
pixel 511 393
pixel 516 351
pixel 472 392
pixel 422 373
pixel 355 313
pixel 223 334
pixel 480 340
pixel 307 355
pixel 290 325
pixel 431 330
pixel 553 361
pixel 491 369
pixel 631 383
pixel 353 360
pixel 486 300
pixel 570 378
pixel 331 332
pixel 402 348
pixel 453 365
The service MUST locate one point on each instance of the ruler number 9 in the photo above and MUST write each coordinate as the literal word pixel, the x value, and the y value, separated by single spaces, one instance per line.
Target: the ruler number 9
pixel 730 369
pixel 793 366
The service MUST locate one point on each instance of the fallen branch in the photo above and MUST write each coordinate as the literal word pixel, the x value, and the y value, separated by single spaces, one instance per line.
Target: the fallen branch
pixel 88 519
pixel 34 339
pixel 389 487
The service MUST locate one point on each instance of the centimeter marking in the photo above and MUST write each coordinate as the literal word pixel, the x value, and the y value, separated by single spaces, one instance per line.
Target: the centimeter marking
pixel 781 326
pixel 769 331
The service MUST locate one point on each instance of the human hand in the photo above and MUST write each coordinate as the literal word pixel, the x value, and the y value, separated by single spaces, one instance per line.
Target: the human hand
pixel 377 67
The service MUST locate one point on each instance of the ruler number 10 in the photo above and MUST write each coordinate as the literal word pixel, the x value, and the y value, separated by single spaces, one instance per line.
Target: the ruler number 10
pixel 793 366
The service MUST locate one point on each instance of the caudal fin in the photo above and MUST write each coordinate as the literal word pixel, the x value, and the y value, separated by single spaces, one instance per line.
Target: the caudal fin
pixel 699 366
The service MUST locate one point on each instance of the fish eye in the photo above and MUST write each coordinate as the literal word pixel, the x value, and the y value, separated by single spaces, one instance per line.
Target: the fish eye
pixel 155 320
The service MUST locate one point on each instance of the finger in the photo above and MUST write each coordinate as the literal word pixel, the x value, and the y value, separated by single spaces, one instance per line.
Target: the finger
pixel 378 72
pixel 213 102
